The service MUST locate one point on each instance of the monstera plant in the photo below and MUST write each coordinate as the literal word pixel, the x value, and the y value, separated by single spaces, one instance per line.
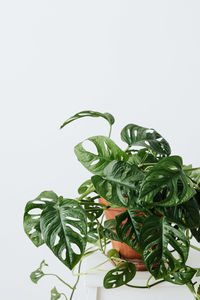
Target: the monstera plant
pixel 161 200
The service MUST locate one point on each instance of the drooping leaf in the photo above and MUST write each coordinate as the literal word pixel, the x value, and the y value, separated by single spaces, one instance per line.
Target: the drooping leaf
pixel 32 215
pixel 119 184
pixel 182 276
pixel 166 184
pixel 135 135
pixel 55 294
pixel 64 228
pixel 110 230
pixel 107 151
pixel 90 113
pixel 128 227
pixel 38 274
pixel 157 239
pixel 84 186
pixel 193 174
pixel 119 276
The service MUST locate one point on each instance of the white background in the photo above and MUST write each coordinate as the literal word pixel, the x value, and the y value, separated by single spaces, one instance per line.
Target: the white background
pixel 139 60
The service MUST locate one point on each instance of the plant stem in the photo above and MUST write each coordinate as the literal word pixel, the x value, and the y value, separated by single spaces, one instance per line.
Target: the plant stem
pixel 109 135
pixel 64 295
pixel 146 164
pixel 74 287
pixel 192 169
pixel 91 269
pixel 144 287
pixel 190 285
pixel 49 274
pixel 194 247
pixel 87 192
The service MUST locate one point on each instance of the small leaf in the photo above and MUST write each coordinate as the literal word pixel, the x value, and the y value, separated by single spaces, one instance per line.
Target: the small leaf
pixel 119 184
pixel 55 294
pixel 113 253
pixel 135 135
pixel 182 276
pixel 107 151
pixel 38 274
pixel 119 276
pixel 166 184
pixel 90 113
pixel 84 186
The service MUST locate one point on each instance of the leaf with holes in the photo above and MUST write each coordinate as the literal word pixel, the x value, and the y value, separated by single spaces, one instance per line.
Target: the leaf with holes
pixel 89 113
pixel 182 276
pixel 166 184
pixel 119 184
pixel 135 135
pixel 92 210
pixel 92 235
pixel 32 215
pixel 157 239
pixel 110 230
pixel 38 274
pixel 107 151
pixel 128 227
pixel 119 276
pixel 55 294
pixel 142 156
pixel 64 227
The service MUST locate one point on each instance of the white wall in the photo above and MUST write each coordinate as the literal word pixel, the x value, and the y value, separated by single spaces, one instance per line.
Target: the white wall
pixel 136 59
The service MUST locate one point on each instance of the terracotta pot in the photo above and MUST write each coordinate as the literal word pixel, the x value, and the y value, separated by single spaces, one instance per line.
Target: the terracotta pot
pixel 125 251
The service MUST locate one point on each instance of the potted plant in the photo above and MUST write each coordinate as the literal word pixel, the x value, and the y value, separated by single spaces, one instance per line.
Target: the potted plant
pixel 156 204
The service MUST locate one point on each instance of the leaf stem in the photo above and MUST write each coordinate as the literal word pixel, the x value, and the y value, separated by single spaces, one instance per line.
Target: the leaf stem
pixel 91 269
pixel 51 274
pixel 64 295
pixel 87 192
pixel 194 247
pixel 75 285
pixel 192 169
pixel 145 286
pixel 109 135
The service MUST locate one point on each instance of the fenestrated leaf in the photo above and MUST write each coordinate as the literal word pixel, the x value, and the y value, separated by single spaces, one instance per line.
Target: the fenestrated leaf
pixel 119 184
pixel 119 276
pixel 92 235
pixel 107 151
pixel 142 156
pixel 55 294
pixel 90 113
pixel 157 239
pixel 110 230
pixel 135 135
pixel 166 184
pixel 128 227
pixel 32 215
pixel 182 276
pixel 64 227
pixel 92 210
pixel 38 274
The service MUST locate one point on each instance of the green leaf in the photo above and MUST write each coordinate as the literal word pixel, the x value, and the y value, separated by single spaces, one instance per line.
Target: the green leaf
pixel 55 294
pixel 84 186
pixel 92 210
pixel 119 185
pixel 90 113
pixel 38 274
pixel 135 135
pixel 142 156
pixel 182 276
pixel 158 237
pixel 92 236
pixel 128 227
pixel 166 184
pixel 107 151
pixel 110 230
pixel 64 227
pixel 119 276
pixel 32 215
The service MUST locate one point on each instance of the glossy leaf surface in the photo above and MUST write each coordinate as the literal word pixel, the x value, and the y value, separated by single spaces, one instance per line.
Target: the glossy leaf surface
pixel 182 276
pixel 107 151
pixel 119 184
pixel 89 113
pixel 119 276
pixel 166 184
pixel 110 230
pixel 135 135
pixel 158 237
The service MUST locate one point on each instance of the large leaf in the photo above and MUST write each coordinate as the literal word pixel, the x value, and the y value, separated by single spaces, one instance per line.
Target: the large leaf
pixel 157 239
pixel 128 227
pixel 119 276
pixel 166 184
pixel 120 183
pixel 135 135
pixel 182 276
pixel 64 229
pixel 32 215
pixel 90 113
pixel 107 151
